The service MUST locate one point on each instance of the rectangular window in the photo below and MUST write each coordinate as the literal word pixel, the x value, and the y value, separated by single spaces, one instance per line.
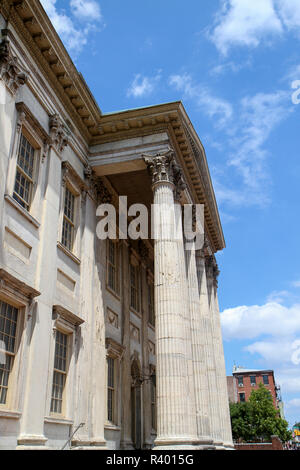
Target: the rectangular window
pixel 112 266
pixel 266 379
pixel 110 389
pixel 151 304
pixel 153 403
pixel 253 380
pixel 24 174
pixel 68 220
pixel 8 329
pixel 242 397
pixel 241 381
pixel 134 288
pixel 60 372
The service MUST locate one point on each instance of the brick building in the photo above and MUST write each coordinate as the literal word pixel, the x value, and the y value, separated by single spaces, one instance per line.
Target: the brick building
pixel 244 381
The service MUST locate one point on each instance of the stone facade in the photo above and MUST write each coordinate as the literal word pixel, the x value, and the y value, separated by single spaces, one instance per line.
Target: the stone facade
pixel 105 344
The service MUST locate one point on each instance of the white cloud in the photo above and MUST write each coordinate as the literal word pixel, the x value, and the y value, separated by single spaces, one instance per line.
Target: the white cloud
pixel 86 9
pixel 245 23
pixel 250 22
pixel 294 403
pixel 289 379
pixel 229 66
pixel 216 108
pixel 247 127
pixel 296 284
pixel 85 12
pixel 289 10
pixel 278 296
pixel 142 85
pixel 277 330
pixel 258 117
pixel 276 351
pixel 248 322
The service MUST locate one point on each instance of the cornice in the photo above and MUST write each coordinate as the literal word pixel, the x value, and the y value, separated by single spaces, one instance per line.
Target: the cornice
pixel 171 118
pixel 40 38
pixel 11 283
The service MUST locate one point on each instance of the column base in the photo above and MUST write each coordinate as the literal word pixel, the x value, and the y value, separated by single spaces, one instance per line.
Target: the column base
pixel 228 446
pixel 126 445
pixel 95 444
pixel 218 445
pixel 176 444
pixel 32 443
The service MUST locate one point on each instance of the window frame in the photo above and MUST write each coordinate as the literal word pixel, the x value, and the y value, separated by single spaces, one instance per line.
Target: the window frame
pixel 268 381
pixel 72 182
pixel 115 352
pixel 111 388
pixel 150 302
pixel 29 126
pixel 70 222
pixel 67 323
pixel 153 402
pixel 253 384
pixel 31 179
pixel 19 295
pixel 64 373
pixel 115 243
pixel 16 359
pixel 244 395
pixel 240 377
pixel 134 264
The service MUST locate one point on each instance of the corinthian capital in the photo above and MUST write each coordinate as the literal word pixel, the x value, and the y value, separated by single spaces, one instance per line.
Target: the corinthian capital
pixel 11 72
pixel 179 181
pixel 212 269
pixel 160 167
pixel 58 132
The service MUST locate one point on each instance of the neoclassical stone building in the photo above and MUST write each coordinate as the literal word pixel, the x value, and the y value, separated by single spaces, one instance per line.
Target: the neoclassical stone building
pixel 104 344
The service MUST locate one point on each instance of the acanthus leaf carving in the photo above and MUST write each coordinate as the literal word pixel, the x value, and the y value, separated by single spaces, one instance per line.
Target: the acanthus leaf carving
pixel 11 72
pixel 160 166
pixel 58 132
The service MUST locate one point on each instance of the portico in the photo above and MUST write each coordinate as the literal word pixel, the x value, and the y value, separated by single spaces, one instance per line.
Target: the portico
pixel 190 412
pixel 115 342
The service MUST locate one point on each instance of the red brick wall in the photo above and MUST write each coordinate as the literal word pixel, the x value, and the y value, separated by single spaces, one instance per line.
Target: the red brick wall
pixel 247 388
pixel 276 444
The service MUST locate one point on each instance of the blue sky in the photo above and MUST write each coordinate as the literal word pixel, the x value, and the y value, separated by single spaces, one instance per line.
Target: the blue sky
pixel 232 63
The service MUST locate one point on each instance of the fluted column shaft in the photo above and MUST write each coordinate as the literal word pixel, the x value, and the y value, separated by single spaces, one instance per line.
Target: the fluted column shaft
pixel 190 392
pixel 172 368
pixel 209 348
pixel 224 401
pixel 226 434
pixel 199 351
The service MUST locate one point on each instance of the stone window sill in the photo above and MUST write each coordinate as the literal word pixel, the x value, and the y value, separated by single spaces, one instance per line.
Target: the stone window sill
pixel 136 313
pixel 10 414
pixel 113 293
pixel 68 253
pixel 112 427
pixel 58 420
pixel 22 211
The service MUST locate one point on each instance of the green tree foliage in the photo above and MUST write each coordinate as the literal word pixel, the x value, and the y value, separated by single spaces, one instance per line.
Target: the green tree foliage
pixel 241 421
pixel 258 419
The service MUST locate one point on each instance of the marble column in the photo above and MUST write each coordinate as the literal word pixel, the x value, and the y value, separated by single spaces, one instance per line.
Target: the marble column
pixel 171 373
pixel 190 391
pixel 209 351
pixel 200 352
pixel 226 434
pixel 126 439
